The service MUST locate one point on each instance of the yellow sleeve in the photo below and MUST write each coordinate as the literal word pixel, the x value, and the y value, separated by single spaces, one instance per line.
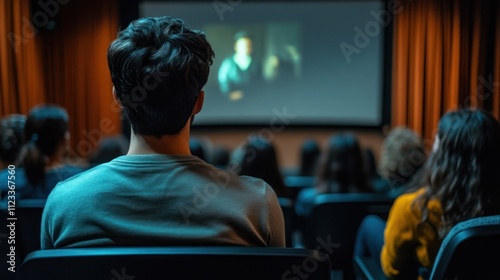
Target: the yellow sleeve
pixel 399 238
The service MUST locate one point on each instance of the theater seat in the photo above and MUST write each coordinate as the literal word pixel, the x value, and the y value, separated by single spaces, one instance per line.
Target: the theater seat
pixel 295 184
pixel 175 263
pixel 335 219
pixel 470 251
pixel 29 220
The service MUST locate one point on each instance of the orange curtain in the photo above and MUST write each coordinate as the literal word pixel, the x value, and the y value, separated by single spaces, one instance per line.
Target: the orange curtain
pixel 21 85
pixel 65 66
pixel 77 72
pixel 446 56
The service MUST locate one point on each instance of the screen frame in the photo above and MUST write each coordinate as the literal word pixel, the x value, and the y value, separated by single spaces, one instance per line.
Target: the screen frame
pixel 129 11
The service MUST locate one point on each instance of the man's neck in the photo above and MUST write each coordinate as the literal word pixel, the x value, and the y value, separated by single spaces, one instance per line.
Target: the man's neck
pixel 243 61
pixel 168 144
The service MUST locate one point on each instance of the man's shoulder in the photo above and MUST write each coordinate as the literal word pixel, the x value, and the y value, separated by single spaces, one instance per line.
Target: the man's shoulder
pixel 242 183
pixel 84 174
pixel 80 180
pixel 231 175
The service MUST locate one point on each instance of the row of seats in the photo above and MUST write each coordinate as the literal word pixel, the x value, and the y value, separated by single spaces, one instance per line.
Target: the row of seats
pixel 330 230
pixel 328 241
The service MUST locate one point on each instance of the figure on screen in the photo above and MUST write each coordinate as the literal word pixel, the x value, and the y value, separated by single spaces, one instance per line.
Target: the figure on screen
pixel 239 72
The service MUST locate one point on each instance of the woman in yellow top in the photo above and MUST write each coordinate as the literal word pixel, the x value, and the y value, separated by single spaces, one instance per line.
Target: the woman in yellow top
pixel 462 181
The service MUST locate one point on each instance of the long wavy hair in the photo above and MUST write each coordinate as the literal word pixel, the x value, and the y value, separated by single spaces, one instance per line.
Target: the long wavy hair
pixel 463 172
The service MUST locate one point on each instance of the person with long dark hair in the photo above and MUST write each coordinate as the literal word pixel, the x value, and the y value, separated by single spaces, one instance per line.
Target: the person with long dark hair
pixel 310 153
pixel 42 158
pixel 259 159
pixel 341 170
pixel 462 181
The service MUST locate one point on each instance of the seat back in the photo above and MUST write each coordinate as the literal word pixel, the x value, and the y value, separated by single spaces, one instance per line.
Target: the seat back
pixel 174 263
pixel 29 220
pixel 470 251
pixel 23 236
pixel 335 220
pixel 295 184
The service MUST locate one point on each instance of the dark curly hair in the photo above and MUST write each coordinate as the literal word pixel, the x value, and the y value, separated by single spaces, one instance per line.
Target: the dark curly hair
pixel 158 66
pixel 463 173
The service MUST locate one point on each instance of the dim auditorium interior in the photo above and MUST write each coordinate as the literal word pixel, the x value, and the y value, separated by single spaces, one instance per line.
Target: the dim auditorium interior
pixel 374 123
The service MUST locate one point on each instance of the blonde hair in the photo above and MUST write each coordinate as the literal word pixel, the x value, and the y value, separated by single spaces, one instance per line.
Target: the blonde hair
pixel 403 154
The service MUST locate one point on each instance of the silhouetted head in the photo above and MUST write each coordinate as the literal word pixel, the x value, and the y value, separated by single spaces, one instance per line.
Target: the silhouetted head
pixel 46 133
pixel 310 153
pixel 159 66
pixel 370 164
pixel 342 167
pixel 260 160
pixel 464 170
pixel 11 138
pixel 198 148
pixel 220 156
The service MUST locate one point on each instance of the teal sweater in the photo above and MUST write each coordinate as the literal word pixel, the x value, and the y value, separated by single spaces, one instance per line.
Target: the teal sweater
pixel 161 200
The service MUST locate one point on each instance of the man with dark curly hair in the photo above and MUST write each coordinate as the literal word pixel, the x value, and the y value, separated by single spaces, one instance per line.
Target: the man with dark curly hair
pixel 159 193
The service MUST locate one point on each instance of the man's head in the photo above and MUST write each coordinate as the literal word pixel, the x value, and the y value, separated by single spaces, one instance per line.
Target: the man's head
pixel 159 66
pixel 243 43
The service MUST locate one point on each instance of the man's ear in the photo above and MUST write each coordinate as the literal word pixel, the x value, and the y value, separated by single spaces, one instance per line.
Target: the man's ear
pixel 199 103
pixel 116 98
